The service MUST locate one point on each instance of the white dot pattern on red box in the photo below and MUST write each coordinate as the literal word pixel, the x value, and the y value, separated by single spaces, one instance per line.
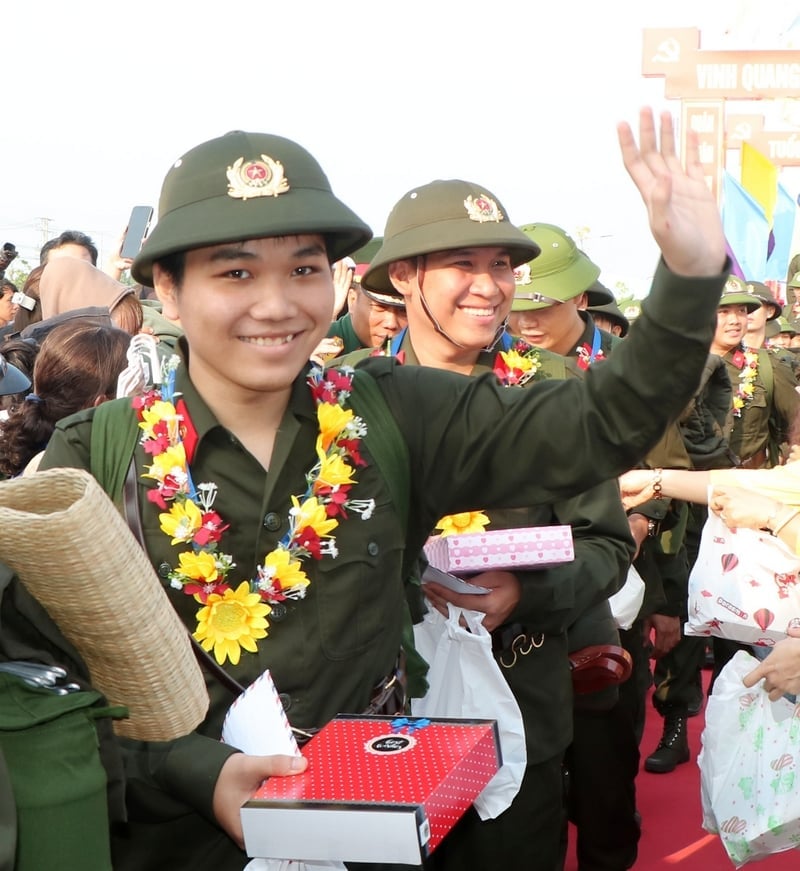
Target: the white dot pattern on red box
pixel 445 770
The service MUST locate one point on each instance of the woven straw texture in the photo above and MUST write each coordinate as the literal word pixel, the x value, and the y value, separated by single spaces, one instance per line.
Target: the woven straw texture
pixel 71 548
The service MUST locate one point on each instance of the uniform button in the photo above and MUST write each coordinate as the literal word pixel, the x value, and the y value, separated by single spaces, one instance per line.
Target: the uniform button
pixel 272 521
pixel 286 700
pixel 278 612
pixel 233 440
pixel 372 548
pixel 164 569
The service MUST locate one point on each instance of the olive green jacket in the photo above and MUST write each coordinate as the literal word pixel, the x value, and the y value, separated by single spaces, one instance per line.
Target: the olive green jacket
pixel 342 328
pixel 659 561
pixel 556 598
pixel 770 413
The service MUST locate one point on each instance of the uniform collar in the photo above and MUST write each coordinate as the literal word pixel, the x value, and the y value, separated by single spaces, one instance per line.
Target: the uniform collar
pixel 301 403
pixel 484 363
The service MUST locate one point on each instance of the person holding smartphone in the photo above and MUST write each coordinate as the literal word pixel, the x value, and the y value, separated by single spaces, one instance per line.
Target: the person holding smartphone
pixel 8 308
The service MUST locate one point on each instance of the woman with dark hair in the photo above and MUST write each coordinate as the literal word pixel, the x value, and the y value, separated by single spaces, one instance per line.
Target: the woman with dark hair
pixel 77 367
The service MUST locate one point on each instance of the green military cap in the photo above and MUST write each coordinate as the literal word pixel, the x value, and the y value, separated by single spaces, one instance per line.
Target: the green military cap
pixel 735 293
pixel 246 186
pixel 794 281
pixel 598 294
pixel 441 216
pixel 561 272
pixel 392 299
pixel 612 311
pixel 783 326
pixel 762 293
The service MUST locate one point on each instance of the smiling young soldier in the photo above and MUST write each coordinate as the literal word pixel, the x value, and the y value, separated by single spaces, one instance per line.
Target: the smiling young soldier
pixel 454 270
pixel 248 227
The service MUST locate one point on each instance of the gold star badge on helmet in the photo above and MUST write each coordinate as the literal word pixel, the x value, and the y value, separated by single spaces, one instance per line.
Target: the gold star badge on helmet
pixel 483 209
pixel 522 274
pixel 256 178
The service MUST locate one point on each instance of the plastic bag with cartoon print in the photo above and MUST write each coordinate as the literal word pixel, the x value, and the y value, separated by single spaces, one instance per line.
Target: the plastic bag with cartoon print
pixel 748 770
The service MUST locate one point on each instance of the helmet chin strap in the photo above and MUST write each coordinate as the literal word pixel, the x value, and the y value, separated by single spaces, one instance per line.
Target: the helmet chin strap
pixel 498 332
pixel 436 325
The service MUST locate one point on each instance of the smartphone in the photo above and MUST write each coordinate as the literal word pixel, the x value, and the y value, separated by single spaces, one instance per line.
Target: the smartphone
pixel 138 223
pixel 456 584
pixel 20 298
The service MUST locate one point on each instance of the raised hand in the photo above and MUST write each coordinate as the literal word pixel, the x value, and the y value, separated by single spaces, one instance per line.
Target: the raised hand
pixel 684 216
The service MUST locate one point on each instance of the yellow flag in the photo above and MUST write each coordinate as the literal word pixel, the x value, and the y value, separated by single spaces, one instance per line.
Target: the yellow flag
pixel 760 179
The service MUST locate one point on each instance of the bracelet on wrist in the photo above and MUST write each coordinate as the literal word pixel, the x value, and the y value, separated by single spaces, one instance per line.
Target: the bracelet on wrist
pixel 657 489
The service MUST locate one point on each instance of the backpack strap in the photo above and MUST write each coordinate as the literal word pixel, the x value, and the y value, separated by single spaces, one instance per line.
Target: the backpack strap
pixel 115 432
pixel 767 374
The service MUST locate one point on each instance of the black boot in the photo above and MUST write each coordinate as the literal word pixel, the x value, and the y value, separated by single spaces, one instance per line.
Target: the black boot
pixel 673 748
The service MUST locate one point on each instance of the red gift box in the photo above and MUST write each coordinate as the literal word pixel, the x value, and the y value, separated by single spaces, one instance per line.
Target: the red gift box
pixel 377 789
pixel 530 547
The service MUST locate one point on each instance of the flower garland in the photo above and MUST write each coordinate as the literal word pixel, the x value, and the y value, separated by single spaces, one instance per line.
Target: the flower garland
pixel 517 365
pixel 233 619
pixel 585 358
pixel 746 361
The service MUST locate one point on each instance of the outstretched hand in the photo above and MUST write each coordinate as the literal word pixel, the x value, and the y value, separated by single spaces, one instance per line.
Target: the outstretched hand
pixel 684 216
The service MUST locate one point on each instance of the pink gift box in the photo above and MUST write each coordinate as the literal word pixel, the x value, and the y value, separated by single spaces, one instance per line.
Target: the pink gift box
pixel 532 547
pixel 377 789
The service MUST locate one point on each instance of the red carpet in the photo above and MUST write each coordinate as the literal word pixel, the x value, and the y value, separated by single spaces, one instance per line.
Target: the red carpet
pixel 672 835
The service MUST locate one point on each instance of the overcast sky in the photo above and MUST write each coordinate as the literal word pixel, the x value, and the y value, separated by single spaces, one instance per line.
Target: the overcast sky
pixel 100 98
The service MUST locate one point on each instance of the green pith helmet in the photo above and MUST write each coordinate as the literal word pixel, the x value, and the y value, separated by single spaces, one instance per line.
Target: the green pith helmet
pixel 764 295
pixel 246 186
pixel 612 311
pixel 735 293
pixel 561 272
pixel 795 280
pixel 441 216
pixel 783 326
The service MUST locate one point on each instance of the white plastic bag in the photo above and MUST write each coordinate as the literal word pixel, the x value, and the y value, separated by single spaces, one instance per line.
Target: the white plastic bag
pixel 465 681
pixel 744 585
pixel 626 603
pixel 748 766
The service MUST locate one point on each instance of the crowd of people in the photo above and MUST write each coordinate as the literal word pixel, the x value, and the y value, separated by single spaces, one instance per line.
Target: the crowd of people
pixel 519 390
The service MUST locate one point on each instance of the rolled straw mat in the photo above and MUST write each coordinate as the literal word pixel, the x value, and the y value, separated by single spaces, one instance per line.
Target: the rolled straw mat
pixel 73 551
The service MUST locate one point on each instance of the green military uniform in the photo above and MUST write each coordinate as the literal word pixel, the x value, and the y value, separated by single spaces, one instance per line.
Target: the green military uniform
pixel 765 418
pixel 552 599
pixel 332 647
pixel 342 328
pixel 788 358
pixel 662 564
pixel 167 332
pixel 669 452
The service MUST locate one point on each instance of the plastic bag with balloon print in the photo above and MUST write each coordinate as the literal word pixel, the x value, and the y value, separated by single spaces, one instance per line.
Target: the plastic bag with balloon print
pixel 744 585
pixel 748 777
